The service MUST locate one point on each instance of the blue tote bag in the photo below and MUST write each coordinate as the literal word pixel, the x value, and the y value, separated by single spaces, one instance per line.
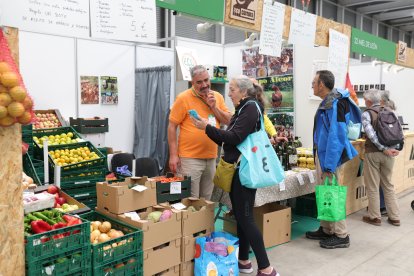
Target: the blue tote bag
pixel 259 166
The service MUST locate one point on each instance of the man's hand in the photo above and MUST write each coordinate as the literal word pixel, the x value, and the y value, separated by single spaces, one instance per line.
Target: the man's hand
pixel 174 163
pixel 211 100
pixel 326 174
pixel 391 152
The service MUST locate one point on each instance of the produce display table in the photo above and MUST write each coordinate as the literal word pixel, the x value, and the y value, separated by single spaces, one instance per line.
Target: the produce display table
pixel 293 187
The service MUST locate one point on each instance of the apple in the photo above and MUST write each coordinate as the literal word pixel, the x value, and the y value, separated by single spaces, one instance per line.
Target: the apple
pixel 52 189
pixel 60 201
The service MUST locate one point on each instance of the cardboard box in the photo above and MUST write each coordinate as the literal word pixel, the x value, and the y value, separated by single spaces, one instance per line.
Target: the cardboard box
pixel 118 198
pixel 398 173
pixel 175 270
pixel 195 222
pixel 154 234
pixel 188 245
pixel 356 198
pixel 274 221
pixel 162 257
pixel 187 268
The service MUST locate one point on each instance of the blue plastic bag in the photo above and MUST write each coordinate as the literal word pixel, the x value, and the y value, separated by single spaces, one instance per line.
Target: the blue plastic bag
pixel 211 264
pixel 259 166
pixel 354 130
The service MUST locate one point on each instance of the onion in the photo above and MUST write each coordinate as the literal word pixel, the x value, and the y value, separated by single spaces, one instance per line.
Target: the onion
pixel 95 225
pixel 105 227
pixel 95 234
pixel 103 238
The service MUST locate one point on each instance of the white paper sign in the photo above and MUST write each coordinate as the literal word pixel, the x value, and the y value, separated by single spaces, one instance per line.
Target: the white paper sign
pixel 317 65
pixel 188 58
pixel 61 17
pixel 139 188
pixel 282 186
pixel 175 188
pixel 178 206
pixel 130 20
pixel 272 28
pixel 302 28
pixel 311 177
pixel 338 56
pixel 300 179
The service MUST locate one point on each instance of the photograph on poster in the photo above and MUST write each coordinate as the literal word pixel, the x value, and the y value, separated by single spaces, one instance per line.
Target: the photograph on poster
pixel 109 90
pixel 266 66
pixel 284 123
pixel 278 92
pixel 89 89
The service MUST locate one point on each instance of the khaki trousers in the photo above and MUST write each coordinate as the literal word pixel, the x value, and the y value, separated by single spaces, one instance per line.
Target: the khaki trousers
pixel 378 171
pixel 338 228
pixel 202 172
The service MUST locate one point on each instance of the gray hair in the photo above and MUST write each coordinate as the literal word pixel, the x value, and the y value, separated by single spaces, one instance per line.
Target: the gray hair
pixel 197 70
pixel 373 95
pixel 253 90
pixel 385 95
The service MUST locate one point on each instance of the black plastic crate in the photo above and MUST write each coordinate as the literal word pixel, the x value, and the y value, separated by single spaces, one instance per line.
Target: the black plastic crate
pixel 164 190
pixel 90 125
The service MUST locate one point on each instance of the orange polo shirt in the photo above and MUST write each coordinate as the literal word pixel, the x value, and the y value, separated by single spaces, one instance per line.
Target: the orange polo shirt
pixel 193 142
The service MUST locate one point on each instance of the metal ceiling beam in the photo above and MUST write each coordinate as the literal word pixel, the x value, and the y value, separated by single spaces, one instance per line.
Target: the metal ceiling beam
pixel 409 28
pixel 395 14
pixel 402 20
pixel 349 3
pixel 376 8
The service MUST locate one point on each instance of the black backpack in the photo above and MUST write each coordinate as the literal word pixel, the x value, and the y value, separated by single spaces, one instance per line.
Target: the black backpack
pixel 388 128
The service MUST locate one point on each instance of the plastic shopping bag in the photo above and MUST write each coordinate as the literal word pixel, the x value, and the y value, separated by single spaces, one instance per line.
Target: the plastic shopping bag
pixel 331 200
pixel 217 255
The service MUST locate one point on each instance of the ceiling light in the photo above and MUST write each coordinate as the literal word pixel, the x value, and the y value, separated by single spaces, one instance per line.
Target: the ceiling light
pixel 249 41
pixel 203 27
pixel 396 69
pixel 387 68
pixel 376 62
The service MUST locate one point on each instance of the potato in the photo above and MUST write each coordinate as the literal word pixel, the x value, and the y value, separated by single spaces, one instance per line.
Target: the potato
pixel 103 237
pixel 95 234
pixel 95 225
pixel 105 227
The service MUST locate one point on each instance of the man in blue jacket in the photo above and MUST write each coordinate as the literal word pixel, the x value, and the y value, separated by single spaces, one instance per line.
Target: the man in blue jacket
pixel 331 147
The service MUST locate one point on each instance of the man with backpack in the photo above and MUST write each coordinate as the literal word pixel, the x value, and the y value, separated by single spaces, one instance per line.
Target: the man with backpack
pixel 384 139
pixel 332 147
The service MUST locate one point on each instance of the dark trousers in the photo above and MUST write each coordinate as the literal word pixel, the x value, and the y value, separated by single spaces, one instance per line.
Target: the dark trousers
pixel 242 200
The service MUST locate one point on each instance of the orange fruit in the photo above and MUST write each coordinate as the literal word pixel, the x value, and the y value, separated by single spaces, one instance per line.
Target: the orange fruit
pixel 6 121
pixel 5 99
pixel 25 118
pixel 18 93
pixel 15 109
pixel 4 67
pixel 3 111
pixel 3 89
pixel 27 103
pixel 9 79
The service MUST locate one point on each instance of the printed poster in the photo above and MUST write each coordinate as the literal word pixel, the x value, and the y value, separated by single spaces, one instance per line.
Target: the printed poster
pixel 89 89
pixel 109 90
pixel 279 107
pixel 244 10
pixel 402 51
pixel 256 65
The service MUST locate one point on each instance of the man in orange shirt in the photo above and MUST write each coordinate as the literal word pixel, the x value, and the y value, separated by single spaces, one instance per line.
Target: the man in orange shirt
pixel 195 154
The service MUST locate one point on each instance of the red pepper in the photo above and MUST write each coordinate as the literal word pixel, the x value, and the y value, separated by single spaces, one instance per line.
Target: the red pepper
pixel 74 221
pixel 67 218
pixel 40 226
pixel 59 225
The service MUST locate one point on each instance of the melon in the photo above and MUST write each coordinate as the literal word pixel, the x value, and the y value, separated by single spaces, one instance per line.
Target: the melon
pixel 15 109
pixel 5 99
pixel 3 111
pixel 6 121
pixel 9 79
pixel 4 67
pixel 27 103
pixel 18 93
pixel 25 118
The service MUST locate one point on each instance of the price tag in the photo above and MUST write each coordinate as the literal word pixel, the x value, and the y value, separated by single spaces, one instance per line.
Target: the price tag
pixel 139 188
pixel 300 179
pixel 311 177
pixel 282 186
pixel 36 242
pixel 49 269
pixel 133 215
pixel 178 206
pixel 175 188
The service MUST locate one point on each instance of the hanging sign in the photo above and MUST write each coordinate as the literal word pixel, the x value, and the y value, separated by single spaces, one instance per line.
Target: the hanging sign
pixel 338 56
pixel 209 9
pixel 245 14
pixel 188 58
pixel 373 46
pixel 272 28
pixel 302 28
pixel 402 51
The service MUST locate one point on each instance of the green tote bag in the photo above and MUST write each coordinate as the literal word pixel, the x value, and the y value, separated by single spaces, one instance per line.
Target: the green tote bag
pixel 331 200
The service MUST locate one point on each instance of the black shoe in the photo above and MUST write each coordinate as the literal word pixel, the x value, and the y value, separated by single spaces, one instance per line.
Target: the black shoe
pixel 317 235
pixel 335 242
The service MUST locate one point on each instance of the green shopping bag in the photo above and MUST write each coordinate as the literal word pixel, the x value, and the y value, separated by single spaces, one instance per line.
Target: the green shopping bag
pixel 331 200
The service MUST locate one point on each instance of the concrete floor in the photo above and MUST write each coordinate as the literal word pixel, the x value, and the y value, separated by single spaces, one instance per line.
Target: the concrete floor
pixel 386 250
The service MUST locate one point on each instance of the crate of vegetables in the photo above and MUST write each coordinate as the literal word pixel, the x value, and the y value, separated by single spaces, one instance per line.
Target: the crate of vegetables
pixel 73 157
pixel 111 240
pixel 172 188
pixel 129 265
pixel 50 232
pixel 74 262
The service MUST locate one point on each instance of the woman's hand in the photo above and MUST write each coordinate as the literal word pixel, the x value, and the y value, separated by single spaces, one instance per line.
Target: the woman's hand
pixel 279 139
pixel 200 124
